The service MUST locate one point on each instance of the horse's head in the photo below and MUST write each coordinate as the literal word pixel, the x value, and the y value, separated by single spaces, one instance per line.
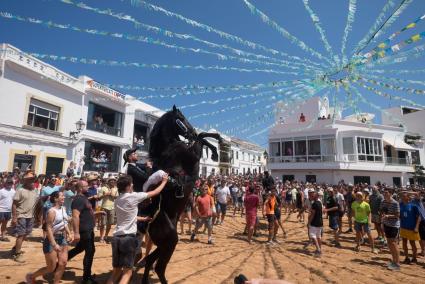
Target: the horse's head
pixel 183 127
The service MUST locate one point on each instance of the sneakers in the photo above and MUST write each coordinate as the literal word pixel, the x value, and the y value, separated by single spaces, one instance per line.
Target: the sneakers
pixel 4 239
pixel 349 231
pixel 317 253
pixel 276 241
pixel 394 267
pixel 210 242
pixel 19 257
pixel 28 279
pixel 192 237
pixel 375 251
pixel 270 243
pixel 337 244
pixel 406 260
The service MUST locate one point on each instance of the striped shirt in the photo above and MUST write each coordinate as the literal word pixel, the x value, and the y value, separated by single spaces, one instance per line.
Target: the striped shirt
pixel 391 207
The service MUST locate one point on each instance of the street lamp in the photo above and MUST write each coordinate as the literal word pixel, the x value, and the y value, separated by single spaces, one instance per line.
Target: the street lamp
pixel 79 125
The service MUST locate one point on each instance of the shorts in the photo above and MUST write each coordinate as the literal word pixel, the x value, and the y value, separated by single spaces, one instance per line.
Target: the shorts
pixel 277 213
pixel 251 219
pixel 124 249
pixel 391 232
pixel 271 218
pixel 24 226
pixel 234 199
pixel 5 216
pixel 207 221
pixel 59 239
pixel 359 227
pixel 221 207
pixel 422 230
pixel 333 222
pixel 376 218
pixel 108 218
pixel 315 232
pixel 409 234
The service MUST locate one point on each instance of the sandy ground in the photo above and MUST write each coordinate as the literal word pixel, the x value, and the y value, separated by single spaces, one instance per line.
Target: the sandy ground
pixel 199 262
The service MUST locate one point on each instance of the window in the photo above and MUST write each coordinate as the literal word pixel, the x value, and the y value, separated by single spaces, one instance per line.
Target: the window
pixel 300 148
pixel 101 157
pixel 416 160
pixel 105 120
pixel 348 145
pixel 275 149
pixel 288 148
pixel 369 149
pixel 43 115
pixel 288 178
pixel 310 178
pixel 314 147
pixel 361 179
pixel 237 155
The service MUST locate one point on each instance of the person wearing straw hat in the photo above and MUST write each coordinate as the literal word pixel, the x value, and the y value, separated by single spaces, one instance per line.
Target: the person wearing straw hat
pixel 22 213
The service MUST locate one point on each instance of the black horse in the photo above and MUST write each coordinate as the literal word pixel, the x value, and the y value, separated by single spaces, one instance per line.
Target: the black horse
pixel 181 160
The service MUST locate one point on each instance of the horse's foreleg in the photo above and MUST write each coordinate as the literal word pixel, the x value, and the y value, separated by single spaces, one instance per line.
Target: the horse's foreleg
pixel 150 259
pixel 210 135
pixel 214 155
pixel 165 256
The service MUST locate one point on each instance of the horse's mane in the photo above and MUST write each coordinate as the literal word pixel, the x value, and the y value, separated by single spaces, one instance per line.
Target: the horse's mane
pixel 156 136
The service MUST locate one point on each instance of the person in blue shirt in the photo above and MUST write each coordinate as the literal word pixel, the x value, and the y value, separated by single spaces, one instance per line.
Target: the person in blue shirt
pixel 421 208
pixel 48 190
pixel 409 226
pixel 91 194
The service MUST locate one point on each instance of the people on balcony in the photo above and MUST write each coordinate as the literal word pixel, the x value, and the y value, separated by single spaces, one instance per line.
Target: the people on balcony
pixel 302 118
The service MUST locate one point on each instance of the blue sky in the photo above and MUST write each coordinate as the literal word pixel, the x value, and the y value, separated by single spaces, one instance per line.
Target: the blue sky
pixel 231 16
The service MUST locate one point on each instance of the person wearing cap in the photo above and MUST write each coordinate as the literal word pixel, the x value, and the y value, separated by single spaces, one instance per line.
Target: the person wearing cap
pixel 48 190
pixel 138 174
pixel 361 213
pixel 107 195
pixel 22 213
pixel 6 201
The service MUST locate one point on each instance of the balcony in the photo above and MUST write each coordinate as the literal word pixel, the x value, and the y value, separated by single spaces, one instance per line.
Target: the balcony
pixel 104 129
pixel 101 166
pixel 350 158
pixel 398 161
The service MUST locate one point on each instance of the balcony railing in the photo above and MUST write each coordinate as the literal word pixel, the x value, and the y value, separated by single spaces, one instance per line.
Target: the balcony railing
pixel 104 129
pixel 398 161
pixel 101 166
pixel 344 158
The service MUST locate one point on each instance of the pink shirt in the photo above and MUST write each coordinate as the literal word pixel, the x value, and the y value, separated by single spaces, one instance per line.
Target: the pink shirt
pixel 251 203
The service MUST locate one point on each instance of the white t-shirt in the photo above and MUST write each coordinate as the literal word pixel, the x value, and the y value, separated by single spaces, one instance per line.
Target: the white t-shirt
pixel 222 193
pixel 155 178
pixel 126 212
pixel 6 199
pixel 340 199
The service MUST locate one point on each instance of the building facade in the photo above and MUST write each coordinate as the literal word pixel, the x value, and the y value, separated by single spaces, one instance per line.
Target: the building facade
pixel 50 118
pixel 331 149
pixel 38 125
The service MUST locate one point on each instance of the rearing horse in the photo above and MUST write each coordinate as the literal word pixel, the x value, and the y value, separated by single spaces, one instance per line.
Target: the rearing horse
pixel 180 158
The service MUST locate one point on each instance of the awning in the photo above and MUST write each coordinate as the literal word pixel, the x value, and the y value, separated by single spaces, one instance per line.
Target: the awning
pixel 399 144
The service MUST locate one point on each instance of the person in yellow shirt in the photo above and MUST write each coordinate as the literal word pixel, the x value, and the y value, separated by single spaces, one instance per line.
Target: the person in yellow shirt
pixel 107 195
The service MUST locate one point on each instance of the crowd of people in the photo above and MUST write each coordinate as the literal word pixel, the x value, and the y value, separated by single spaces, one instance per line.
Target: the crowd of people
pixel 70 208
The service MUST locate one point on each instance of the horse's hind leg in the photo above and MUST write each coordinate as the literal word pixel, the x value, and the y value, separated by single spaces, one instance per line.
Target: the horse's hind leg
pixel 165 256
pixel 150 259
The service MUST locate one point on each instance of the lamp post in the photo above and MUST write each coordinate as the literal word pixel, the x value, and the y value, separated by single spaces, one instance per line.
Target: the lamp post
pixel 79 125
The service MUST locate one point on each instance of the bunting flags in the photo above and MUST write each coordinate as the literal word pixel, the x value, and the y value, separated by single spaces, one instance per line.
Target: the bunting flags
pixel 284 32
pixel 348 27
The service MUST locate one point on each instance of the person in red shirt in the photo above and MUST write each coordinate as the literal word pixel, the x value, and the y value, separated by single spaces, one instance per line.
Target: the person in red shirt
pixel 251 204
pixel 203 207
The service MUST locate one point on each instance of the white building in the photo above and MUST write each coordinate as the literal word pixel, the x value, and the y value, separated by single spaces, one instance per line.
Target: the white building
pixel 41 106
pixel 333 149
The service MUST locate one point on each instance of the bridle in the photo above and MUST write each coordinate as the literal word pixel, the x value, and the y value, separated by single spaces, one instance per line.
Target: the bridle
pixel 190 135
